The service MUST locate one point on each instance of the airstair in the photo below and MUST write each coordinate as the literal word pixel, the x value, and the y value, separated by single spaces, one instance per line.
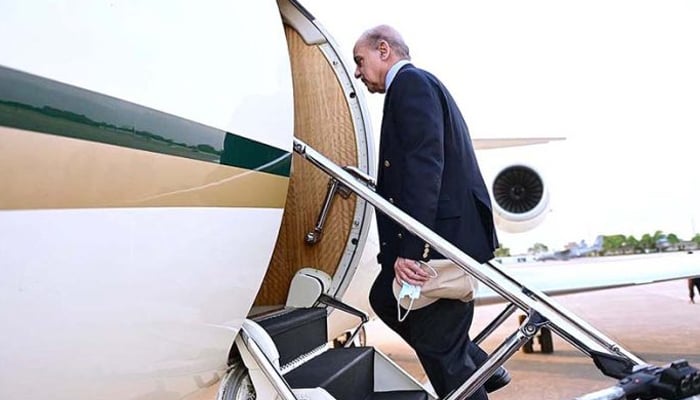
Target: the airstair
pixel 289 355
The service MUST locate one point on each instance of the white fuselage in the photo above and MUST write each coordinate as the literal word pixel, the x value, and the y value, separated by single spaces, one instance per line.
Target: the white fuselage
pixel 138 302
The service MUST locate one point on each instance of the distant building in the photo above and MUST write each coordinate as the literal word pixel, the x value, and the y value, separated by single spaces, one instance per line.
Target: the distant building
pixel 684 245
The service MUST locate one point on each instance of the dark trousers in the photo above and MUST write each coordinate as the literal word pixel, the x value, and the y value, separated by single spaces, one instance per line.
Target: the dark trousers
pixel 439 334
pixel 693 282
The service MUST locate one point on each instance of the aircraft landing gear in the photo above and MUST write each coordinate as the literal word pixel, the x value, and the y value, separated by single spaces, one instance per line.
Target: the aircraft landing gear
pixel 236 384
pixel 544 338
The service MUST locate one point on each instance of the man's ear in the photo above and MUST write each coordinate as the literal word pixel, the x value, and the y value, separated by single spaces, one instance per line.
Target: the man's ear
pixel 384 50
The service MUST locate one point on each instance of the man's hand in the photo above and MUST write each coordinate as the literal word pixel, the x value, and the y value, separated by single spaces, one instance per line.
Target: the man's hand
pixel 409 271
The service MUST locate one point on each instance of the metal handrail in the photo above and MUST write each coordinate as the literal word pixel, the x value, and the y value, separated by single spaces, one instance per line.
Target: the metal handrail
pixel 490 328
pixel 571 328
pixel 506 350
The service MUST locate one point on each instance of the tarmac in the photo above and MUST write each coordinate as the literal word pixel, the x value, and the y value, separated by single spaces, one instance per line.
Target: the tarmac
pixel 655 322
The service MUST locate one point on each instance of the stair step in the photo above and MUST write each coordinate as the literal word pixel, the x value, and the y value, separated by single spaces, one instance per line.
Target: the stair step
pixel 346 373
pixel 296 332
pixel 399 395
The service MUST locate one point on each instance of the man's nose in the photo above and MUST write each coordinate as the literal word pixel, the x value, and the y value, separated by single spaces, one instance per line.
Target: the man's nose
pixel 357 73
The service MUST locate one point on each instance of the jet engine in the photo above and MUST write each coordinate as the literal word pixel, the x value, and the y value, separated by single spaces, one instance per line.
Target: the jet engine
pixel 520 197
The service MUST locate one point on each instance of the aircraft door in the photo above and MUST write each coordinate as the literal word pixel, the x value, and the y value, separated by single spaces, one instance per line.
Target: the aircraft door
pixel 331 116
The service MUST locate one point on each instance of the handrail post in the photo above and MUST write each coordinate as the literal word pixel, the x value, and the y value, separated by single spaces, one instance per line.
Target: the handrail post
pixel 515 341
pixel 507 312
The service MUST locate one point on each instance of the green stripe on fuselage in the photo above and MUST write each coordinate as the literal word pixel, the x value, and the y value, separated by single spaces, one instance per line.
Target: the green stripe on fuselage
pixel 38 104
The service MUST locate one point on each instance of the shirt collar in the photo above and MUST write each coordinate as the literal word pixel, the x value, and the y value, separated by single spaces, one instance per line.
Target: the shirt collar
pixel 392 73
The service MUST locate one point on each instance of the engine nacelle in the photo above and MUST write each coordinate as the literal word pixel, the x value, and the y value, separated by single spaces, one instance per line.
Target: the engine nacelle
pixel 520 197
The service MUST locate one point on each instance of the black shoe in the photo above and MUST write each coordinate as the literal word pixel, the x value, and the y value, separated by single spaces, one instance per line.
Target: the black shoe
pixel 499 379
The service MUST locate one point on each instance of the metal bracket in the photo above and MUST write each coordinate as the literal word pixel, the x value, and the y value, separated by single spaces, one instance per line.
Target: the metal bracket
pixel 359 174
pixel 334 186
pixel 335 303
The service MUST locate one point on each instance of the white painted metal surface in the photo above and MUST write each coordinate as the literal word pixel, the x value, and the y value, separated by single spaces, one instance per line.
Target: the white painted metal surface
pixel 224 64
pixel 140 303
pixel 121 303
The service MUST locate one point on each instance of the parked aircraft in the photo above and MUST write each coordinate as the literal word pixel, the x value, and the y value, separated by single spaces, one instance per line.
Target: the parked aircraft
pixel 156 227
pixel 576 250
pixel 662 243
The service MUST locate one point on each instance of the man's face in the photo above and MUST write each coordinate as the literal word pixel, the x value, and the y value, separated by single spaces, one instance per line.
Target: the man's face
pixel 370 66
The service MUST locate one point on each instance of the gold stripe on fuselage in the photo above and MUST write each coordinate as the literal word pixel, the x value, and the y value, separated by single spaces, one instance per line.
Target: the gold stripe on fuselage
pixel 42 171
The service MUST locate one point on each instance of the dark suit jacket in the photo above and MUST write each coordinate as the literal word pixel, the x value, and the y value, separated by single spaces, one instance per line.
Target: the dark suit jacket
pixel 427 167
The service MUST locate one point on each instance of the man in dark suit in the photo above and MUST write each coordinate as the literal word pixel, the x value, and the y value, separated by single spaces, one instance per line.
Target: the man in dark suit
pixel 427 168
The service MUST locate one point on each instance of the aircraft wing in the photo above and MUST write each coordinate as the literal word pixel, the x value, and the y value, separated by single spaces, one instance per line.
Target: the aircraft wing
pixel 483 144
pixel 598 273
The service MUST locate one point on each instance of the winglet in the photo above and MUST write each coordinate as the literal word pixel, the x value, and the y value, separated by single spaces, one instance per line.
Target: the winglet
pixel 484 144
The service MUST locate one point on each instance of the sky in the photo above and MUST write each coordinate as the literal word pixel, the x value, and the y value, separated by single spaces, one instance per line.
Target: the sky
pixel 620 80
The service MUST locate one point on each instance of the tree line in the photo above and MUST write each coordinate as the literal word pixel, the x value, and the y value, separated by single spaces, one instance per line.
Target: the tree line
pixel 621 244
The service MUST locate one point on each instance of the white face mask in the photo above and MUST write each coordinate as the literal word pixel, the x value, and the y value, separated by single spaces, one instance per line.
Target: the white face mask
pixel 410 291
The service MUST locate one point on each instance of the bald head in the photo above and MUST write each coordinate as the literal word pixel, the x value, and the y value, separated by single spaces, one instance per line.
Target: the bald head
pixel 375 52
pixel 374 36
